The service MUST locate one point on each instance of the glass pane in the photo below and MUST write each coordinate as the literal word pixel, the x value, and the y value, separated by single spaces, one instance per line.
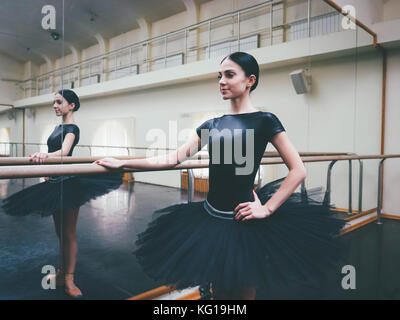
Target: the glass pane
pixel 32 60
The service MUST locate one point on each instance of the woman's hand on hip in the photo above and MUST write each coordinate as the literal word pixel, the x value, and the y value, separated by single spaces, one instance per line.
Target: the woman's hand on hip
pixel 251 210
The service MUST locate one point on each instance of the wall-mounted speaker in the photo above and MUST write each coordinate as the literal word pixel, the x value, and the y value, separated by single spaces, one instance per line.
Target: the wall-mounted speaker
pixel 301 80
pixel 30 113
pixel 11 114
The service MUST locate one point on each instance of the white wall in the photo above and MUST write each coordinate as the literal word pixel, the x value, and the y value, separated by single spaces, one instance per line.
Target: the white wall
pixel 341 114
pixel 45 68
pixel 14 125
pixel 91 52
pixel 175 22
pixel 30 70
pixel 9 69
pixel 125 39
pixel 391 10
pixel 66 61
pixel 391 200
pixel 215 8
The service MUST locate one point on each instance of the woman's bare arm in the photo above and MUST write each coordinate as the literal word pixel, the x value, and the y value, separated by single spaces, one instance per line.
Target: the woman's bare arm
pixel 39 157
pixel 297 171
pixel 170 160
pixel 66 146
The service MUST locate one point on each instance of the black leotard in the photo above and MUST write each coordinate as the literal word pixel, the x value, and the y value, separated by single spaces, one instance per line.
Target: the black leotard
pixel 56 139
pixel 231 178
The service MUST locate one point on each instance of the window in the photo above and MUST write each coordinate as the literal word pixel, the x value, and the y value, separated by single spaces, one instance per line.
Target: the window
pixel 4 141
pixel 319 25
pixel 123 72
pixel 227 47
pixel 85 81
pixel 170 61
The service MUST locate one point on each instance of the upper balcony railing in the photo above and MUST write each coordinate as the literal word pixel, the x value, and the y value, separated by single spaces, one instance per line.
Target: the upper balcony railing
pixel 262 25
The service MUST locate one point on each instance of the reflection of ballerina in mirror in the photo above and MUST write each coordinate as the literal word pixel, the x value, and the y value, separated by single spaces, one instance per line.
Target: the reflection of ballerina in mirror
pixel 61 197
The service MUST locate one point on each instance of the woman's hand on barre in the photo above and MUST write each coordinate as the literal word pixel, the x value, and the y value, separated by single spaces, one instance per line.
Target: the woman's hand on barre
pixel 38 157
pixel 110 163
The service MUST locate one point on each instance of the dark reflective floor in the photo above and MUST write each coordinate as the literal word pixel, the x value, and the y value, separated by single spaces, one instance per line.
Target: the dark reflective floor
pixel 107 229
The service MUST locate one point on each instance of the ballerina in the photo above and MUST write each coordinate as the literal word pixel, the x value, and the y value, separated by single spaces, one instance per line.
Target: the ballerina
pixel 239 239
pixel 61 197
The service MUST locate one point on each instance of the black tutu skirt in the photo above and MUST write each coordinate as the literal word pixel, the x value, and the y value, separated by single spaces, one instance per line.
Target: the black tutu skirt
pixel 186 246
pixel 60 193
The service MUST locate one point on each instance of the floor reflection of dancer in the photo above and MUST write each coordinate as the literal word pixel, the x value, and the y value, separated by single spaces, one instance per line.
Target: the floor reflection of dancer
pixel 62 197
pixel 239 239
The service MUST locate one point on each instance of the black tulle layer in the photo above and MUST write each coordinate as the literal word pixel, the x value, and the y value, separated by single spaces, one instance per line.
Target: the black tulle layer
pixel 296 245
pixel 52 196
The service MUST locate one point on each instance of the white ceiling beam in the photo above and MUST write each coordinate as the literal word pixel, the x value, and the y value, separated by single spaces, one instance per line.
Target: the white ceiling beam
pixel 145 29
pixel 76 54
pixel 48 61
pixel 193 10
pixel 103 43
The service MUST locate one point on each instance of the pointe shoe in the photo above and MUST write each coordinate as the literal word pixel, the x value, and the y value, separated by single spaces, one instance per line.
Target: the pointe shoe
pixel 60 280
pixel 73 291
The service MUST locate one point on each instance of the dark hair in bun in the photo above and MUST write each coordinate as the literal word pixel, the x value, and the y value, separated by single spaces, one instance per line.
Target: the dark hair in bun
pixel 71 97
pixel 247 62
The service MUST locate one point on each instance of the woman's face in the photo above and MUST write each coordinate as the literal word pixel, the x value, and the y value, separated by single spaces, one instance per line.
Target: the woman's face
pixel 61 106
pixel 233 81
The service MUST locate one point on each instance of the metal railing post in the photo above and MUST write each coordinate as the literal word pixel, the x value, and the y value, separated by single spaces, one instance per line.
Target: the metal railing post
pixel 379 206
pixel 90 72
pixel 209 39
pixel 303 191
pixel 303 186
pixel 79 74
pixel 350 188
pixel 147 56
pixel 190 185
pixel 327 198
pixel 115 66
pixel 130 60
pixel 271 18
pixel 186 47
pixel 165 53
pixel 238 17
pixel 309 19
pixel 360 185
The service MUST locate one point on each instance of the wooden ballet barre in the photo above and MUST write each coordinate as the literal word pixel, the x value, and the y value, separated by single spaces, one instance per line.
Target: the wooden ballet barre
pixel 81 169
pixel 69 160
pixel 59 160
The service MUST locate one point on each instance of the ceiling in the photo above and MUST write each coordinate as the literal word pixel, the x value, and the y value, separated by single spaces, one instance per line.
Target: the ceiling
pixel 23 38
